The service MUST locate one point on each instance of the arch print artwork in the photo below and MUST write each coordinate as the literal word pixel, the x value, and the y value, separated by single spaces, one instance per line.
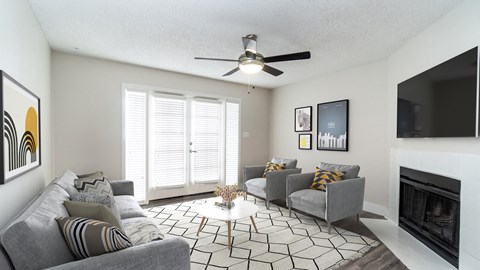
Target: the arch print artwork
pixel 21 129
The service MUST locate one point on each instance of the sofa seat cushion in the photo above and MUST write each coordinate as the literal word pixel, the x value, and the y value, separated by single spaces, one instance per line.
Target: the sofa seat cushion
pixel 33 240
pixel 350 171
pixel 310 201
pixel 257 186
pixel 141 230
pixel 128 207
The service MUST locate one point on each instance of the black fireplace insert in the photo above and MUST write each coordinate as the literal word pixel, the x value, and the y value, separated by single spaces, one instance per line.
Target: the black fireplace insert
pixel 430 211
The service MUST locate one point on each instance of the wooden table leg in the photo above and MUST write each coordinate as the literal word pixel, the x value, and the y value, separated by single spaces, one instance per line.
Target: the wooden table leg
pixel 201 224
pixel 229 225
pixel 253 223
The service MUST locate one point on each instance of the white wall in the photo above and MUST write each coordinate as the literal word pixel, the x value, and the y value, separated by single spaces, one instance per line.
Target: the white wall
pixel 87 95
pixel 365 87
pixel 25 55
pixel 454 33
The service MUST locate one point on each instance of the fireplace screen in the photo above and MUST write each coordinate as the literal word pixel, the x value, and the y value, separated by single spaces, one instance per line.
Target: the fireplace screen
pixel 430 211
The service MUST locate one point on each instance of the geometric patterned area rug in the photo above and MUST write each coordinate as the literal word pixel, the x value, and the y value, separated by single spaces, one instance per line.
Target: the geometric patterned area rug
pixel 299 242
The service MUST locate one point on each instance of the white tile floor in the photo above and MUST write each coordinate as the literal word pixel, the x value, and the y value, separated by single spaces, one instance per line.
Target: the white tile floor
pixel 409 250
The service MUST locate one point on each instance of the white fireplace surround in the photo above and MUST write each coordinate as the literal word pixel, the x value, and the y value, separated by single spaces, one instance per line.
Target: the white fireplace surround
pixel 464 167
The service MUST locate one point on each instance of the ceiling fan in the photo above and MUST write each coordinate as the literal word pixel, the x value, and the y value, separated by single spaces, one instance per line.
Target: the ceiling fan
pixel 252 62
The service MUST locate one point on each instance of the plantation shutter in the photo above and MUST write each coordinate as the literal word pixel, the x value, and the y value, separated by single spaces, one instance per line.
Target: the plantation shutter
pixel 169 149
pixel 206 142
pixel 232 130
pixel 136 141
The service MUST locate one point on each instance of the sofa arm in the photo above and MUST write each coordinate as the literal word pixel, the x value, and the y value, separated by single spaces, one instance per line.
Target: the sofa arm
pixel 276 183
pixel 296 182
pixel 344 198
pixel 122 187
pixel 168 254
pixel 250 172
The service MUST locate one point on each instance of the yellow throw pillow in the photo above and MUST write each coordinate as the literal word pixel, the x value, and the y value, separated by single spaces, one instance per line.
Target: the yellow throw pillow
pixel 323 177
pixel 273 167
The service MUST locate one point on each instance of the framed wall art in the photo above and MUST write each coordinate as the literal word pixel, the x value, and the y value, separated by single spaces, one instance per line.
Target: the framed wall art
pixel 332 126
pixel 21 128
pixel 305 141
pixel 303 119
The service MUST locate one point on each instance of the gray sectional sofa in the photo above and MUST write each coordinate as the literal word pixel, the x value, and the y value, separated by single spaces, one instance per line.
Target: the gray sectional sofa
pixel 33 239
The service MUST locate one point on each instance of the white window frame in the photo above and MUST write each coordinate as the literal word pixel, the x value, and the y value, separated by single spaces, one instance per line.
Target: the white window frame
pixel 158 91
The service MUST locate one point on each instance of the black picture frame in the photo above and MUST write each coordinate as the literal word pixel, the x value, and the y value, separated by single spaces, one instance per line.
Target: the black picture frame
pixel 307 144
pixel 21 128
pixel 332 125
pixel 303 119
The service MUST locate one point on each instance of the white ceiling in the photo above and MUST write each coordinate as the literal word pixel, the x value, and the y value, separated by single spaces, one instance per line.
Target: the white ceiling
pixel 168 34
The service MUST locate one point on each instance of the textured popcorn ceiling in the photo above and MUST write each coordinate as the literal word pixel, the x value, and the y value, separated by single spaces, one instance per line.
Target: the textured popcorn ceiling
pixel 167 34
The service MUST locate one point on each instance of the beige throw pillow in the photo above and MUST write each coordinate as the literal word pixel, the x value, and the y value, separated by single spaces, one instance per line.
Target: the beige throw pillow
pixel 93 211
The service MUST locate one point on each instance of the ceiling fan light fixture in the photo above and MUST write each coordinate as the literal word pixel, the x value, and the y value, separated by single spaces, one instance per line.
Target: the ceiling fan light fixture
pixel 251 67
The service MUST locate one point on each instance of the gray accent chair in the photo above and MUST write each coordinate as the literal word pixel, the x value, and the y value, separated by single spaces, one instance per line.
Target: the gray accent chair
pixel 340 200
pixel 273 186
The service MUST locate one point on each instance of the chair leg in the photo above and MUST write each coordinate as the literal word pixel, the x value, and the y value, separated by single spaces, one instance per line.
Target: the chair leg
pixel 358 217
pixel 329 226
pixel 245 196
pixel 290 212
pixel 268 205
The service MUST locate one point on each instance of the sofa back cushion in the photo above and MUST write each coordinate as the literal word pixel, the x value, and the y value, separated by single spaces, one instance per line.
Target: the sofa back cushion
pixel 289 163
pixel 67 179
pixel 33 240
pixel 351 171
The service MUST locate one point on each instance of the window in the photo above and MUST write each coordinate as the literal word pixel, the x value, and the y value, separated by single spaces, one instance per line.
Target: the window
pixel 178 145
pixel 232 142
pixel 135 141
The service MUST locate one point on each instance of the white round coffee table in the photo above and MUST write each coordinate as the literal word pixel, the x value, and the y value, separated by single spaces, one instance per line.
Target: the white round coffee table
pixel 242 209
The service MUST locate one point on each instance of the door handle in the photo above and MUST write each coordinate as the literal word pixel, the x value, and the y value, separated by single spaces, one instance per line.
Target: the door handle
pixel 193 151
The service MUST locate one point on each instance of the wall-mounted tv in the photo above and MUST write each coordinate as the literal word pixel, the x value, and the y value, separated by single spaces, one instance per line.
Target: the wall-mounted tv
pixel 442 101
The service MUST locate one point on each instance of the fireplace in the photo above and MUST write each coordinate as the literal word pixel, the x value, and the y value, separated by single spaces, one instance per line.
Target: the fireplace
pixel 430 211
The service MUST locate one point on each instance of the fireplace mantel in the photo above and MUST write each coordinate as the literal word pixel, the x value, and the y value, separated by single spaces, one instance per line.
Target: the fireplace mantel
pixel 464 167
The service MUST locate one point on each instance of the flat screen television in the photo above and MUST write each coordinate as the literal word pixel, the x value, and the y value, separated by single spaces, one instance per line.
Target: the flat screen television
pixel 442 101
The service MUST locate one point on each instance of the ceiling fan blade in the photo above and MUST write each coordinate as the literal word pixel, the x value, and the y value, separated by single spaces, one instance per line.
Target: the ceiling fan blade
pixel 287 57
pixel 275 72
pixel 231 71
pixel 215 59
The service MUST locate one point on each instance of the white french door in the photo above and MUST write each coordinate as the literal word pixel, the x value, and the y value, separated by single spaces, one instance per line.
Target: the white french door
pixel 189 144
pixel 205 143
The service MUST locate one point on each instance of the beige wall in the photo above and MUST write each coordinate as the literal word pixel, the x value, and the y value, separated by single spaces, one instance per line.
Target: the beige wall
pixel 454 33
pixel 25 55
pixel 87 96
pixel 365 87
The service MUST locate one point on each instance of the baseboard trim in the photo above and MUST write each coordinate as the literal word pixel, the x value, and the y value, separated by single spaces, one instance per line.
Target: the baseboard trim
pixel 375 208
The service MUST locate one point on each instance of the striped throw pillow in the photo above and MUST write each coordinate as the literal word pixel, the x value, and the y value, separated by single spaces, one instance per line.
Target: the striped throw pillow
pixel 98 186
pixel 323 177
pixel 273 167
pixel 88 237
